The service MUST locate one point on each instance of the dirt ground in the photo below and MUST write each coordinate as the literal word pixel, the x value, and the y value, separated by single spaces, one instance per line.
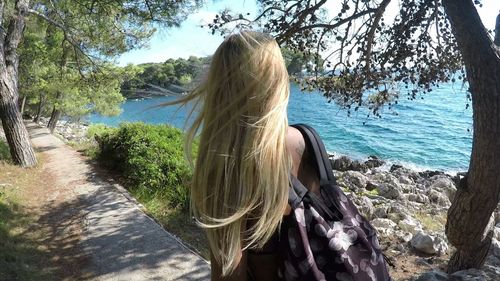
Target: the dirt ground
pixel 52 227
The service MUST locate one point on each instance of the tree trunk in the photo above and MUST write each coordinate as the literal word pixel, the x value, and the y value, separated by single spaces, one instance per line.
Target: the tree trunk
pixel 23 103
pixel 15 131
pixel 17 136
pixel 54 117
pixel 39 108
pixel 469 224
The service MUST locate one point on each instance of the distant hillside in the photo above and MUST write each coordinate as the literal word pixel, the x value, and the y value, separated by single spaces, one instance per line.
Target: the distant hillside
pixel 171 77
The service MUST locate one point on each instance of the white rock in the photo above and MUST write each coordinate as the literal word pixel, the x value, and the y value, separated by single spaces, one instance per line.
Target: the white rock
pixel 439 198
pixel 410 225
pixel 404 179
pixel 389 190
pixel 429 244
pixel 420 198
pixel 495 248
pixel 367 207
pixel 354 180
pixel 496 232
pixel 384 226
pixel 446 185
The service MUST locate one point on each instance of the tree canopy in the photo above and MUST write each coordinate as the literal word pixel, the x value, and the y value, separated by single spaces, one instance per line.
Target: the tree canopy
pixel 410 52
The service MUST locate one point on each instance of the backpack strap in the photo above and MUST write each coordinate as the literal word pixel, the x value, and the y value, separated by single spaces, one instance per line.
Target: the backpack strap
pixel 299 193
pixel 319 151
pixel 296 193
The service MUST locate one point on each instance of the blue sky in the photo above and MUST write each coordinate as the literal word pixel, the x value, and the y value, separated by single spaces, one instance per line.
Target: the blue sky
pixel 191 39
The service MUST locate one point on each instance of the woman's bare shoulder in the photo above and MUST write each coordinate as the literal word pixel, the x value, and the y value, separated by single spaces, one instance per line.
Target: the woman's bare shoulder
pixel 295 145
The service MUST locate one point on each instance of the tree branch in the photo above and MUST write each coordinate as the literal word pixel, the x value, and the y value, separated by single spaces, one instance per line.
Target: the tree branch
pixel 67 35
pixel 371 33
pixel 290 32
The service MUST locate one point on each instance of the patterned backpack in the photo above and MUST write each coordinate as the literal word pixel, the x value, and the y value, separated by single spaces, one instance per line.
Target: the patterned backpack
pixel 325 237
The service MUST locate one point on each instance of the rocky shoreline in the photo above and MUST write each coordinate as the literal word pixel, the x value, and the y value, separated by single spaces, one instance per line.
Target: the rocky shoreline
pixel 68 131
pixel 407 207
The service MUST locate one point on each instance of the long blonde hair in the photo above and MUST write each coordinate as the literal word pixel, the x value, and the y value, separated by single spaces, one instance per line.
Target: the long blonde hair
pixel 240 183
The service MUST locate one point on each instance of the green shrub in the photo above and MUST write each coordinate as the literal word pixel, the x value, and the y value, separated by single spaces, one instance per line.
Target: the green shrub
pixel 151 159
pixel 97 130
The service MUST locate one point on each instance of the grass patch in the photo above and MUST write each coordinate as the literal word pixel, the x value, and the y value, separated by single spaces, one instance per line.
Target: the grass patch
pixel 434 223
pixel 365 192
pixel 4 151
pixel 22 257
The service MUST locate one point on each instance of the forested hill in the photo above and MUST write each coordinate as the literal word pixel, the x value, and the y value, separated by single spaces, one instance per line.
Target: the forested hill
pixel 176 76
pixel 170 77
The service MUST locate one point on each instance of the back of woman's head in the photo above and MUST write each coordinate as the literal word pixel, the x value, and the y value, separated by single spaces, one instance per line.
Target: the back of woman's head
pixel 240 183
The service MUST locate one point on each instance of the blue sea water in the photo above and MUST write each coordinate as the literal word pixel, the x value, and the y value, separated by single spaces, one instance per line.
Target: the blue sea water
pixel 430 133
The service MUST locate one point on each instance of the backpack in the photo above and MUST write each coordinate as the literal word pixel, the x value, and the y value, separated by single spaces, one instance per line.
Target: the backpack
pixel 325 237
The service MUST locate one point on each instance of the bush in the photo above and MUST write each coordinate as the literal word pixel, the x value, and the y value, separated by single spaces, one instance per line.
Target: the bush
pixel 96 130
pixel 151 159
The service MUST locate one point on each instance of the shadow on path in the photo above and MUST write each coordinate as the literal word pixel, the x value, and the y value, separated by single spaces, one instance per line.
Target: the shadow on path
pixel 118 241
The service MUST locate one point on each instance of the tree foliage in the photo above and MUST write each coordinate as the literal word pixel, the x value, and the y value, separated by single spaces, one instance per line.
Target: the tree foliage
pixel 66 49
pixel 363 49
pixel 159 77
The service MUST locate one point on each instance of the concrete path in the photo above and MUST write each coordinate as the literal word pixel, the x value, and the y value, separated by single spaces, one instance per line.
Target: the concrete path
pixel 120 241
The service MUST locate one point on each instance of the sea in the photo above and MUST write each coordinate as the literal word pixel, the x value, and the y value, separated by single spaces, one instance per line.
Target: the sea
pixel 432 132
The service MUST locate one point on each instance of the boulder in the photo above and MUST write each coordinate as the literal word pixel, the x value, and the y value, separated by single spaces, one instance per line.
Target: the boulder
pixel 446 185
pixel 420 198
pixel 472 274
pixel 373 162
pixel 495 248
pixel 405 179
pixel 433 276
pixel 367 208
pixel 341 164
pixel 344 163
pixel 430 174
pixel 370 186
pixel 429 244
pixel 380 212
pixel 439 198
pixel 358 166
pixel 354 180
pixel 496 232
pixel 384 226
pixel 410 225
pixel 389 191
pixel 394 167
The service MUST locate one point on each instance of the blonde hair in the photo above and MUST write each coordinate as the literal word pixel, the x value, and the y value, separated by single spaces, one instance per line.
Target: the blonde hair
pixel 240 184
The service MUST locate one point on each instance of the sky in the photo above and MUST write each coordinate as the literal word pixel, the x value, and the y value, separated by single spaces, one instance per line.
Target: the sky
pixel 191 39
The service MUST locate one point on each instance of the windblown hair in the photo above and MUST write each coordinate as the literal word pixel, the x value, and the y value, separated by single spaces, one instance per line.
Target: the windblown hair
pixel 240 184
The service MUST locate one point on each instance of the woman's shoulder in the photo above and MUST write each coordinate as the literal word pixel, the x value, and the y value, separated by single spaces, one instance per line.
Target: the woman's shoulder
pixel 294 139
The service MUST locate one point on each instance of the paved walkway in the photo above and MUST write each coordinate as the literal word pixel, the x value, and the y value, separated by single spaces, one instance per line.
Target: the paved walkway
pixel 120 241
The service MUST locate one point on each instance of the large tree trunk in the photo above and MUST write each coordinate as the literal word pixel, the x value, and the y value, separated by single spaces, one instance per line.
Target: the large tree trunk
pixel 54 117
pixel 17 136
pixel 15 131
pixel 469 225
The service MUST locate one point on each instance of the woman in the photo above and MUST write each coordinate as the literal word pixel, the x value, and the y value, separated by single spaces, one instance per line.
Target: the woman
pixel 245 156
